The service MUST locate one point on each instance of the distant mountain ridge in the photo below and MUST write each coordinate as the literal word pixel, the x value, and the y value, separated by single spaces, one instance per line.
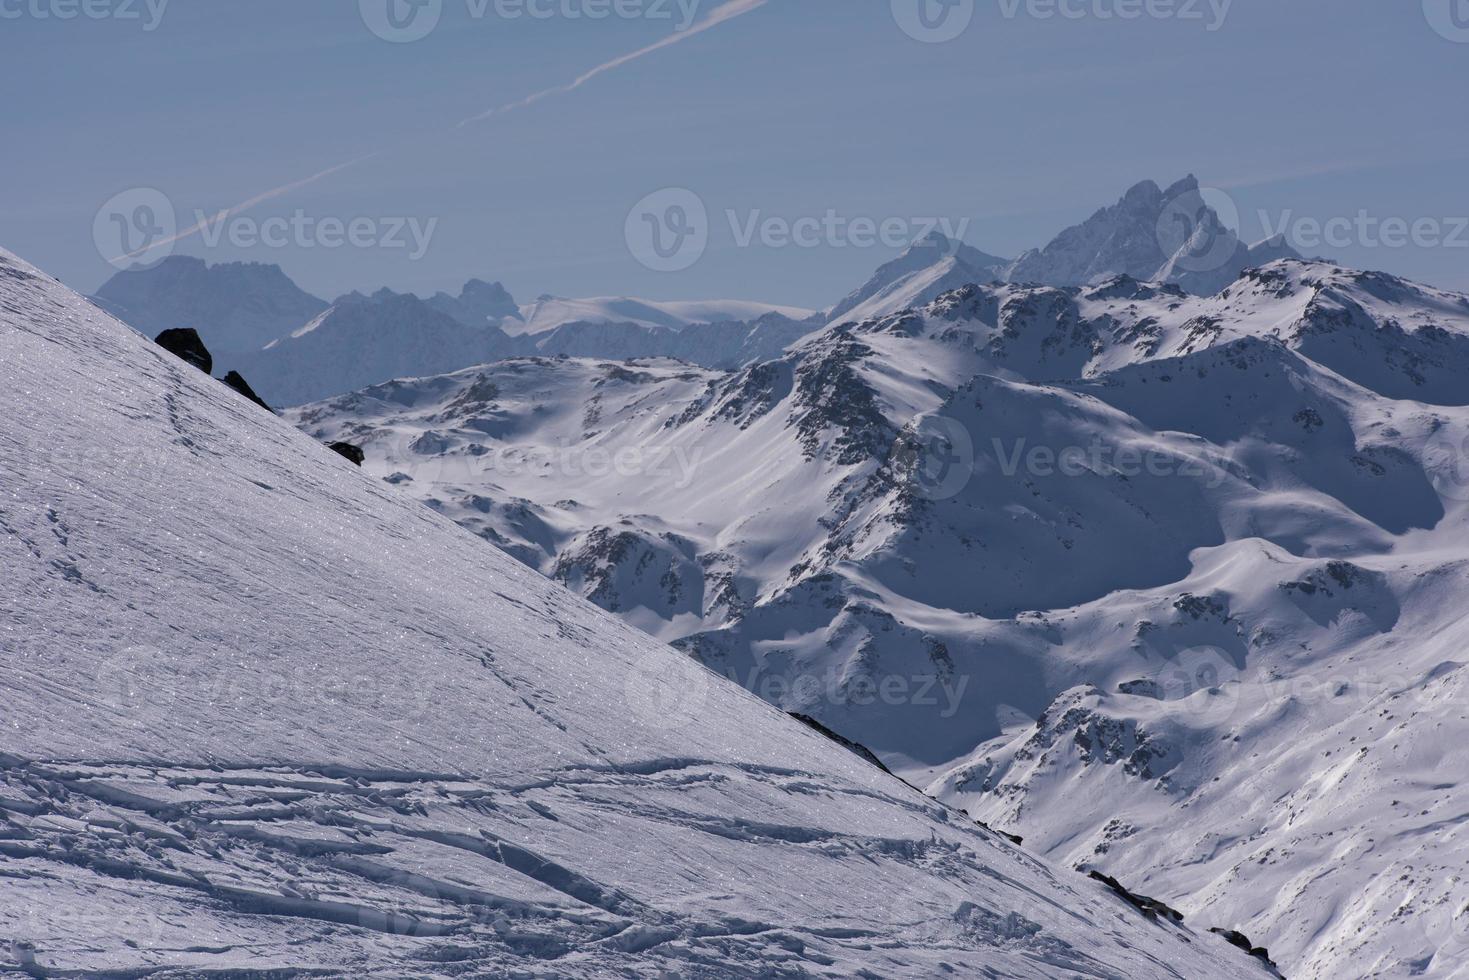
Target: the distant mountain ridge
pixel 297 348
pixel 235 306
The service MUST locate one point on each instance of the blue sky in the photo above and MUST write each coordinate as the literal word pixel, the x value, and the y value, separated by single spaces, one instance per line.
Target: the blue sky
pixel 1024 123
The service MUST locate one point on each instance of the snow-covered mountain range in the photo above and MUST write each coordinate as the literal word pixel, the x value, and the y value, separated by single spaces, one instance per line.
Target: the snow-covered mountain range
pixel 237 307
pixel 301 349
pixel 267 716
pixel 296 348
pixel 1155 235
pixel 1167 584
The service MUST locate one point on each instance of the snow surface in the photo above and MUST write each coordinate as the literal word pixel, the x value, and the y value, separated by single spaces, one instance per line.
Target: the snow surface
pixel 550 312
pixel 1222 660
pixel 265 715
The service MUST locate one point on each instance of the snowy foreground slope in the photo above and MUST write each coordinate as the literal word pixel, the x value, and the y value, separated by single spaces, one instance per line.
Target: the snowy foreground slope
pixel 263 713
pixel 1170 585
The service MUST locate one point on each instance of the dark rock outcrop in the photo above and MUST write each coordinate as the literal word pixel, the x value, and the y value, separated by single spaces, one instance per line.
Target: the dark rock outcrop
pixel 1239 939
pixel 235 381
pixel 845 743
pixel 1150 907
pixel 1015 839
pixel 349 452
pixel 185 344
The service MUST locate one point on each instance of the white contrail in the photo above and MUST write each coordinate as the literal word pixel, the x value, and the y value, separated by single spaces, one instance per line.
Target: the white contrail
pixel 724 12
pixel 243 206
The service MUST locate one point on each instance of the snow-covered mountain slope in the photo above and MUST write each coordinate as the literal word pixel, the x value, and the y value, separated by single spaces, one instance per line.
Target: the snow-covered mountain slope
pixel 1173 235
pixel 363 340
pixel 297 349
pixel 930 267
pixel 550 312
pixel 265 715
pixel 235 306
pixel 1025 542
pixel 724 345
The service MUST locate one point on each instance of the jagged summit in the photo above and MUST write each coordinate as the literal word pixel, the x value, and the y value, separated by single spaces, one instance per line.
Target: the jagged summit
pixel 1173 235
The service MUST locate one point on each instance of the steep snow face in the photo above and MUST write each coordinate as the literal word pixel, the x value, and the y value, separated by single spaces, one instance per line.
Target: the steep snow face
pixel 929 268
pixel 1182 556
pixel 264 714
pixel 1172 236
pixel 236 307
pixel 550 312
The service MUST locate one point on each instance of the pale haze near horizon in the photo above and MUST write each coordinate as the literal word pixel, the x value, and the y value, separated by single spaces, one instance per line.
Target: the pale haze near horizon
pixel 795 109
